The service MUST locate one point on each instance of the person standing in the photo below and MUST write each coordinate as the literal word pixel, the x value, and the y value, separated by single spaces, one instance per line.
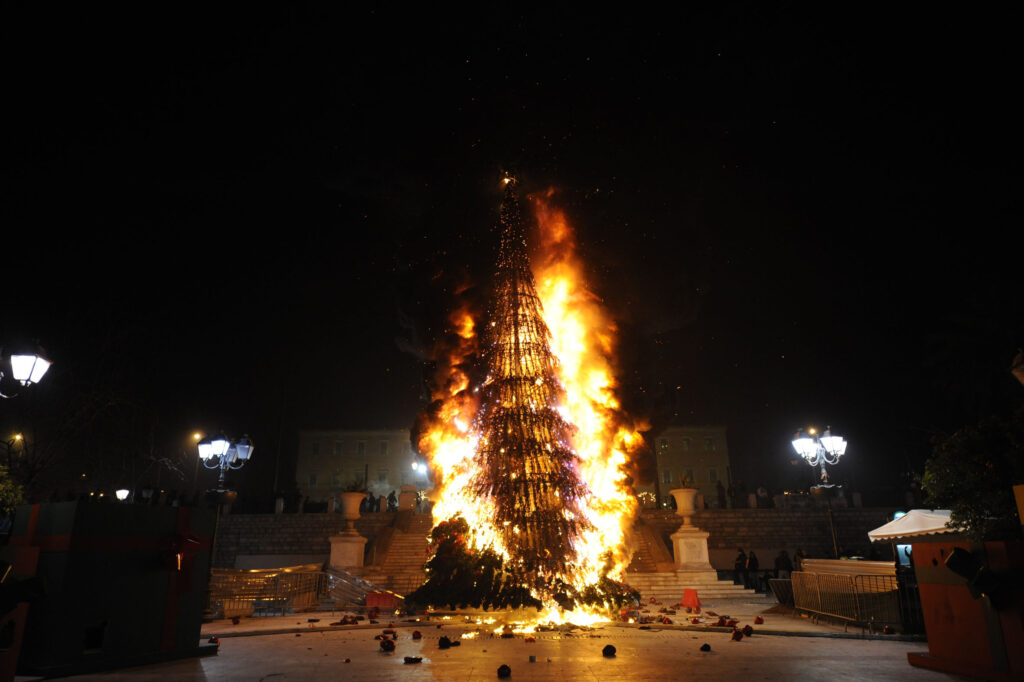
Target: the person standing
pixel 783 566
pixel 753 576
pixel 739 566
pixel 798 560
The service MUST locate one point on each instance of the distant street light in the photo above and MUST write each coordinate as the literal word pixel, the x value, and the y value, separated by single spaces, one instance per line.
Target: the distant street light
pixel 820 451
pixel 27 368
pixel 17 438
pixel 122 494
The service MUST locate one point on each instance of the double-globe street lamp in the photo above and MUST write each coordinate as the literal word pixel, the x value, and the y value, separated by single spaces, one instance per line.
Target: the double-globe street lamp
pixel 219 452
pixel 819 452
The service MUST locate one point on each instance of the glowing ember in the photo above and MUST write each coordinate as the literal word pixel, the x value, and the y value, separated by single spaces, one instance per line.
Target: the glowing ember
pixel 572 502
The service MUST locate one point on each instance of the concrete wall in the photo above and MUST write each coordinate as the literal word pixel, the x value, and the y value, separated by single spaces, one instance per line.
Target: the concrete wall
pixel 764 530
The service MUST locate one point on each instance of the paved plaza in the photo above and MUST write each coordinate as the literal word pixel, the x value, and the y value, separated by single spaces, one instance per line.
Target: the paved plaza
pixel 785 647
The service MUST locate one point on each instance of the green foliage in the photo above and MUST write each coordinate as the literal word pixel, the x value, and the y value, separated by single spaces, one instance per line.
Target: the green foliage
pixel 972 472
pixel 459 577
pixel 11 494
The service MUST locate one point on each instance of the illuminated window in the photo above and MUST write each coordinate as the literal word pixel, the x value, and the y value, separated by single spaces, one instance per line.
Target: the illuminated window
pixel 709 444
pixel 662 444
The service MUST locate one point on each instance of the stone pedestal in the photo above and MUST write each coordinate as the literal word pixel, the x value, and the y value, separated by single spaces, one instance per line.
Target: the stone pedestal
pixel 347 550
pixel 407 498
pixel 690 547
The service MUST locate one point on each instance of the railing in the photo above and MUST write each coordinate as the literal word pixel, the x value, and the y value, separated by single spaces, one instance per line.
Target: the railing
pixel 868 600
pixel 264 592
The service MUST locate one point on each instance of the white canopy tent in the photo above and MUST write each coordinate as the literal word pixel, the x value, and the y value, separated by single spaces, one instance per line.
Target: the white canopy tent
pixel 914 524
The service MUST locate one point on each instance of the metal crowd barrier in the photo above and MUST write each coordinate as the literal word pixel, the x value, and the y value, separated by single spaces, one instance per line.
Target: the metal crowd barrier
pixel 265 592
pixel 867 600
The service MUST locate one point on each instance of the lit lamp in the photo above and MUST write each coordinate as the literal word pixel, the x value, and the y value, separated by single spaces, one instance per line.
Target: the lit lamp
pixel 122 494
pixel 820 451
pixel 27 368
pixel 217 452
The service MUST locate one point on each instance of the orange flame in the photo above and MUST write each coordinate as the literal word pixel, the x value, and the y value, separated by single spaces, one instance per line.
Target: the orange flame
pixel 583 340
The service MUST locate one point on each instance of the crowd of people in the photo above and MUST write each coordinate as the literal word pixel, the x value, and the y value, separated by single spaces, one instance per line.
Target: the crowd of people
pixel 379 503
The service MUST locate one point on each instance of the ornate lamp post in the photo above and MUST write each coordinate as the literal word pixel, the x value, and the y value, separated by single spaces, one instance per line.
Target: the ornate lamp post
pixel 819 451
pixel 218 452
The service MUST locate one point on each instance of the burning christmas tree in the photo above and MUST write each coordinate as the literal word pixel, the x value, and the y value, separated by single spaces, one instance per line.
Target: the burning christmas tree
pixel 526 465
pixel 533 500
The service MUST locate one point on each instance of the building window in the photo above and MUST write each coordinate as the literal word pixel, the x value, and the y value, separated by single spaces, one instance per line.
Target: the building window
pixel 712 476
pixel 383 448
pixel 361 448
pixel 689 475
pixel 337 448
pixel 336 480
pixel 382 476
pixel 709 444
pixel 666 476
pixel 663 445
pixel 686 445
pixel 315 448
pixel 312 480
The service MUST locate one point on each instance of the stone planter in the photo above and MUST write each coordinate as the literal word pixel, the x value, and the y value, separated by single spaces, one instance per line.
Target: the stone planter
pixel 350 509
pixel 686 504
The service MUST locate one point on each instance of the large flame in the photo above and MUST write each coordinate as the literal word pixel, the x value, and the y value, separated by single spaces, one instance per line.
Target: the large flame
pixel 582 340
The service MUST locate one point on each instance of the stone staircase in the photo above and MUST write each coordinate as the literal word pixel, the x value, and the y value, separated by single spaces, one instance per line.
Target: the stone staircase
pixel 401 568
pixel 667 587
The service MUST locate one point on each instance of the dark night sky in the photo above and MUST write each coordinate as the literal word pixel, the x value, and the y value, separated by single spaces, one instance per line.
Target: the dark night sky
pixel 227 221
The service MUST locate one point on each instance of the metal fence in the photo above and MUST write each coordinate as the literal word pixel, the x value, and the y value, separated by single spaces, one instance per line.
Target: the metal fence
pixel 248 593
pixel 867 600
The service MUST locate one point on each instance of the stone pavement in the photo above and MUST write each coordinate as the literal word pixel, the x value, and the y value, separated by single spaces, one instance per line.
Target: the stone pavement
pixel 301 650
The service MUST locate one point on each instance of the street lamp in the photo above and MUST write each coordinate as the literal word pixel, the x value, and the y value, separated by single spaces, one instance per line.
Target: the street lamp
pixel 218 452
pixel 820 451
pixel 27 368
